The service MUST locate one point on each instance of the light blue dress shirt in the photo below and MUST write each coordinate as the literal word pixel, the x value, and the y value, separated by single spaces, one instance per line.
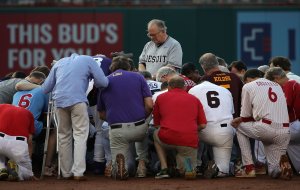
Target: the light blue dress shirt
pixel 69 78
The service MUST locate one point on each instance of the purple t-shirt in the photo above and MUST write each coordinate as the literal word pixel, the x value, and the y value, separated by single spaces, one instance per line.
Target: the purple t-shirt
pixel 123 99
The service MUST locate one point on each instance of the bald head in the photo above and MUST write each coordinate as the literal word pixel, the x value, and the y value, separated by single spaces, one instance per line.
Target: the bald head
pixel 208 61
pixel 176 82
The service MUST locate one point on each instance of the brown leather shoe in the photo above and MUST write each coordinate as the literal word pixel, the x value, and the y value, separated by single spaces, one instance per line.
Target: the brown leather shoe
pixel 80 178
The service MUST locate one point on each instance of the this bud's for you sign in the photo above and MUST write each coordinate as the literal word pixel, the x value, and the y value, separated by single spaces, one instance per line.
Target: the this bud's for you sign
pixel 33 39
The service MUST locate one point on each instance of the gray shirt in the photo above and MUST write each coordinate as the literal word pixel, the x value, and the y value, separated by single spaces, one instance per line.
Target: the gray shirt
pixel 7 90
pixel 155 57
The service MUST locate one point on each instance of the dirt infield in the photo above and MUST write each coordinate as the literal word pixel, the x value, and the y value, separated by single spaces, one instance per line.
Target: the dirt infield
pixel 98 182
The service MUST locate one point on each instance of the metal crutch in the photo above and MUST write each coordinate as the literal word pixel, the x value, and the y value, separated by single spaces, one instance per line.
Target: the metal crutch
pixel 57 145
pixel 49 116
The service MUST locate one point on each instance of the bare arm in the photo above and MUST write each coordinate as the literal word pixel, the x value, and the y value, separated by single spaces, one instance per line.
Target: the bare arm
pixel 201 126
pixel 236 122
pixel 142 67
pixel 148 102
pixel 25 85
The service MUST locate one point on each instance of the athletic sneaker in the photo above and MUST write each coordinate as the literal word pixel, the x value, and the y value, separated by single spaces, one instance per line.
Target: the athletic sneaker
pixel 3 174
pixel 248 171
pixel 50 171
pixel 212 170
pixel 260 168
pixel 108 170
pixel 199 170
pixel 222 174
pixel 141 171
pixel 162 174
pixel 120 170
pixel 12 169
pixel 190 173
pixel 286 169
pixel 238 167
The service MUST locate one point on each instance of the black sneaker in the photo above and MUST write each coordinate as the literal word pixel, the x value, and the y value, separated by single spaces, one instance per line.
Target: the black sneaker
pixel 162 174
pixel 3 174
pixel 212 170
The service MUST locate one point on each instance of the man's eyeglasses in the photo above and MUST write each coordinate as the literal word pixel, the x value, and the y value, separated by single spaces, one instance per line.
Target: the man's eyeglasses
pixel 152 35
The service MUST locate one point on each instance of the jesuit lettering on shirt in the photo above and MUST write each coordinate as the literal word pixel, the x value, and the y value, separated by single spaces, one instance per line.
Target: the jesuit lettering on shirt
pixel 155 59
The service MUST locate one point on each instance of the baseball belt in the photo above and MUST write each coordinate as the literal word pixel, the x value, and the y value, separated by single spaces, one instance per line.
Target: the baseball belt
pixel 264 120
pixel 19 138
pixel 116 126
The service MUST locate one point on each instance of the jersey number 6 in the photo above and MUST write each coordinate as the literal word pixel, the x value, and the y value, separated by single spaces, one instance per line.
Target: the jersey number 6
pixel 25 101
pixel 272 95
pixel 212 100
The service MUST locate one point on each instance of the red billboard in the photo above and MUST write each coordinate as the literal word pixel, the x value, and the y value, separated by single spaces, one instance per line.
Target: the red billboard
pixel 33 39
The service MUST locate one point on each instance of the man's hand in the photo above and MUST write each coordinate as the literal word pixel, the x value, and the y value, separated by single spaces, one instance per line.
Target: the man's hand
pixel 236 122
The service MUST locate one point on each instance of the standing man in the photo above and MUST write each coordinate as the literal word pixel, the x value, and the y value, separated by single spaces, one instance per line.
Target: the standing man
pixel 291 90
pixel 264 117
pixel 218 107
pixel 178 116
pixel 68 80
pixel 162 50
pixel 125 104
pixel 16 130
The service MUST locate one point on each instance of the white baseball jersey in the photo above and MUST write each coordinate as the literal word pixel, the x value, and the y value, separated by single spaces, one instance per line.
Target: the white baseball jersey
pixel 218 107
pixel 155 57
pixel 156 94
pixel 217 101
pixel 154 86
pixel 264 99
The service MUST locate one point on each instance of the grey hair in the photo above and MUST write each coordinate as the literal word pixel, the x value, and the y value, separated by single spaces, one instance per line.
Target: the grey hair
pixel 208 61
pixel 263 68
pixel 164 71
pixel 274 72
pixel 159 23
pixel 223 69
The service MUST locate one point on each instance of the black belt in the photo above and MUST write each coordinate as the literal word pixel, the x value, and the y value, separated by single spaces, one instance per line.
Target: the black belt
pixel 116 126
pixel 224 125
pixel 17 138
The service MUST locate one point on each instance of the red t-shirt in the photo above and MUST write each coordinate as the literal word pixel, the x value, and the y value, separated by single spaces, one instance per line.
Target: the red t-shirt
pixel 178 114
pixel 291 90
pixel 16 121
